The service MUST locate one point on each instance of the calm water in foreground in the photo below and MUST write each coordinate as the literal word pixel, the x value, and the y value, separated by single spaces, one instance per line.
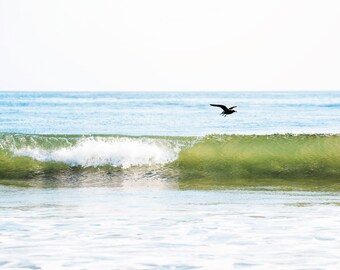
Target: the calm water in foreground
pixel 65 205
pixel 134 228
pixel 153 228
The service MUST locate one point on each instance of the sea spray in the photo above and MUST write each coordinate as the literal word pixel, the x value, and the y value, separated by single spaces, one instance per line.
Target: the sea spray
pixel 24 156
pixel 116 152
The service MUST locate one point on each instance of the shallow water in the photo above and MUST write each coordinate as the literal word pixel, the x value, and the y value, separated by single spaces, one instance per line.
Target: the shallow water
pixel 164 228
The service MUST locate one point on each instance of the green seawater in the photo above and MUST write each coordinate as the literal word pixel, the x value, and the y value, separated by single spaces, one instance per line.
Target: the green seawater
pixel 270 156
pixel 305 161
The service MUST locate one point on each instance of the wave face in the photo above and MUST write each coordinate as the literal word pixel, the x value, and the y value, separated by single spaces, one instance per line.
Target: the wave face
pixel 267 156
pixel 287 156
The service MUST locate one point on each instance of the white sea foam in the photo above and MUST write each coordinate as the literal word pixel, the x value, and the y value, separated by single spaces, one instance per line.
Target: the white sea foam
pixel 117 152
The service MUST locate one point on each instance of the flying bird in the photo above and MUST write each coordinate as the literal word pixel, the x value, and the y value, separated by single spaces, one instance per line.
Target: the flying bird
pixel 225 109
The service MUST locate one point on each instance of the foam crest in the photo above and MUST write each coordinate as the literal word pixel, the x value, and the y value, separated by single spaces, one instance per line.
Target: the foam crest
pixel 117 152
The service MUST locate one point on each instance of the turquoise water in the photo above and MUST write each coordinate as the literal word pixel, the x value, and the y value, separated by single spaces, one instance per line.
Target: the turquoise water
pixel 169 114
pixel 162 181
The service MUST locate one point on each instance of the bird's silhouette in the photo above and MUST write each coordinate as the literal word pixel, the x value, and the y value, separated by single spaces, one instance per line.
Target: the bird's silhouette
pixel 225 109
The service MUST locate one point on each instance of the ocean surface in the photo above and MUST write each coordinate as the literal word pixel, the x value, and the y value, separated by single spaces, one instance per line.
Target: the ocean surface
pixel 170 113
pixel 159 180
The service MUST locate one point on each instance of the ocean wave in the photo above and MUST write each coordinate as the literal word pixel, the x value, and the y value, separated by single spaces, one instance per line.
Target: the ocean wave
pixel 93 151
pixel 280 156
pixel 284 156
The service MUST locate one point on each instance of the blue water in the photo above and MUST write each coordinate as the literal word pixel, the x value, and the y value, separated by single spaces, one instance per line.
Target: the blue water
pixel 168 113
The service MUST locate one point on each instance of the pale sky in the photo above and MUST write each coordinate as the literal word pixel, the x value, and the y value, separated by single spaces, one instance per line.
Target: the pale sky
pixel 180 45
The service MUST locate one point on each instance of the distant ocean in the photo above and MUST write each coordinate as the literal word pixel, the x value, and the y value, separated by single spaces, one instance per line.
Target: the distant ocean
pixel 168 113
pixel 159 180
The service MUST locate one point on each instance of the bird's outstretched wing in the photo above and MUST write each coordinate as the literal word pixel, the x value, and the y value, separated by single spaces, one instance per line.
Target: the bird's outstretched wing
pixel 221 106
pixel 232 107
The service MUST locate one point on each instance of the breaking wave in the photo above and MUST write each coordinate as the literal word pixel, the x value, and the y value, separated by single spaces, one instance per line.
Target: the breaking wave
pixel 280 156
pixel 94 152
